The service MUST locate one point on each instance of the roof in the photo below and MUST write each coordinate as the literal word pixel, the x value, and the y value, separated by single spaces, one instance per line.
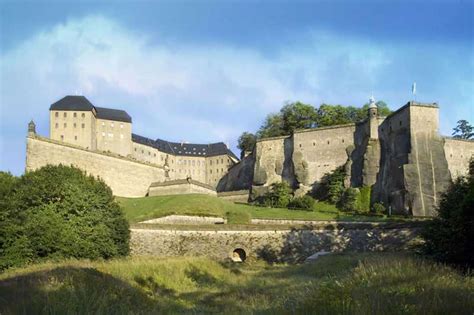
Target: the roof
pixel 81 103
pixel 112 114
pixel 72 102
pixel 185 149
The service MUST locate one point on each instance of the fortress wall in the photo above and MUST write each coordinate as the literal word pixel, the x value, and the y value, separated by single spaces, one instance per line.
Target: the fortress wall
pixel 125 177
pixel 458 153
pixel 272 245
pixel 320 151
pixel 180 189
pixel 270 156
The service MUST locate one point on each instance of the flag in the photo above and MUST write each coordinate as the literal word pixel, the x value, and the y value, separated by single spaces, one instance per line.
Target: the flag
pixel 413 88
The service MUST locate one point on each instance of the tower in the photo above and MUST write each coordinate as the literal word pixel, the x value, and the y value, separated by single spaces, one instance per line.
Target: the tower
pixel 373 120
pixel 31 128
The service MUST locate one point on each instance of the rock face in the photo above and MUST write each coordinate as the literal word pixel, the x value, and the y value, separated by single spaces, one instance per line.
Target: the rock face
pixel 239 176
pixel 402 157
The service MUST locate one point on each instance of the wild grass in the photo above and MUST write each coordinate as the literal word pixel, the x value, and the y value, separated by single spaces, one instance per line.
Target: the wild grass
pixel 140 209
pixel 370 283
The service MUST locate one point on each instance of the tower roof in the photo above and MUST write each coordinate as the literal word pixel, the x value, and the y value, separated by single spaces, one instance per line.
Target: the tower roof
pixel 72 102
pixel 372 102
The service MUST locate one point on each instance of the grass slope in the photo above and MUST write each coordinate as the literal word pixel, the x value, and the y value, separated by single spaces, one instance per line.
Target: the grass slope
pixel 140 209
pixel 370 283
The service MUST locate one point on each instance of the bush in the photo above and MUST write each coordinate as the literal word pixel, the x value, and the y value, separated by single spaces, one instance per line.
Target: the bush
pixel 331 187
pixel 304 202
pixel 348 201
pixel 279 195
pixel 59 212
pixel 363 199
pixel 378 208
pixel 450 237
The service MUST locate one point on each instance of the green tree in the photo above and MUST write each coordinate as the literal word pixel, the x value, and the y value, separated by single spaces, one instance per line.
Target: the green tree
pixel 382 110
pixel 59 211
pixel 246 142
pixel 272 127
pixel 463 130
pixel 450 236
pixel 279 195
pixel 298 116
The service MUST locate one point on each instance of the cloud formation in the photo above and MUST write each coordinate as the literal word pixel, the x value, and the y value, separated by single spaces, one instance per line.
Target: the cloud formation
pixel 183 92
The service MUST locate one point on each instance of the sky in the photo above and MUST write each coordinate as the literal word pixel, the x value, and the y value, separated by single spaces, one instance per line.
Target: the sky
pixel 205 71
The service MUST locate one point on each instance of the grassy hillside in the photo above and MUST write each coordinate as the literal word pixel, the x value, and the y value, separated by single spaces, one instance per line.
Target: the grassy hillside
pixel 381 283
pixel 140 209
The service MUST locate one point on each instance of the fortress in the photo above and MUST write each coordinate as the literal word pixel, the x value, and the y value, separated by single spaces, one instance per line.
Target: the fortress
pixel 401 157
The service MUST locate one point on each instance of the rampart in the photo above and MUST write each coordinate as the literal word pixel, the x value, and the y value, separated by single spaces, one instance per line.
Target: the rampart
pixel 180 187
pixel 290 245
pixel 458 152
pixel 126 178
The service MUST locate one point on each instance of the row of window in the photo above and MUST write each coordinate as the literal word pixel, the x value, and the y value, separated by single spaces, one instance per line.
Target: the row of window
pixel 217 161
pixel 65 125
pixel 314 143
pixel 112 125
pixel 83 115
pixel 111 135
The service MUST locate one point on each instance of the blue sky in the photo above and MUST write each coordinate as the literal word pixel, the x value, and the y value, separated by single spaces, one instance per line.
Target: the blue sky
pixel 205 71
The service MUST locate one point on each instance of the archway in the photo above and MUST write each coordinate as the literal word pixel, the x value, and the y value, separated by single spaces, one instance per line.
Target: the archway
pixel 239 255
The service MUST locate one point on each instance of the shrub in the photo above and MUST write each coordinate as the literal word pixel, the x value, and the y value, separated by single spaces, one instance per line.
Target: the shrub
pixel 363 199
pixel 279 195
pixel 331 187
pixel 378 208
pixel 348 201
pixel 58 211
pixel 450 236
pixel 304 202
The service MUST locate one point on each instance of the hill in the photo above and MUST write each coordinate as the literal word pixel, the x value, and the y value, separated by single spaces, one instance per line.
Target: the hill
pixel 140 209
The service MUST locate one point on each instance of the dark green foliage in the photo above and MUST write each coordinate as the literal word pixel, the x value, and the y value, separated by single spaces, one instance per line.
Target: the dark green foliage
pixel 279 195
pixel 463 130
pixel 450 236
pixel 348 201
pixel 304 203
pixel 331 186
pixel 58 211
pixel 363 199
pixel 246 141
pixel 379 208
pixel 293 116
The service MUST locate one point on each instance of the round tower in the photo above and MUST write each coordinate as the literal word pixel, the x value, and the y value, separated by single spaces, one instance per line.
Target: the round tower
pixel 373 121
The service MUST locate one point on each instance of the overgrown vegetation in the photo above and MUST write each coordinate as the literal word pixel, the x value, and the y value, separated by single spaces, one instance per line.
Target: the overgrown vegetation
pixel 370 283
pixel 304 202
pixel 58 212
pixel 450 236
pixel 297 115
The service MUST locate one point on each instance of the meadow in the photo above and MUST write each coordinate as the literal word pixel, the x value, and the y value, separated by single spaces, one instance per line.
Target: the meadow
pixel 141 209
pixel 351 283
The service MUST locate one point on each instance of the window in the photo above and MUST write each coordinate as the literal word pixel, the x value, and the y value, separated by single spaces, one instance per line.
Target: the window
pixel 314 144
pixel 342 140
pixel 56 114
pixel 112 125
pixel 149 153
pixel 111 135
pixel 210 171
pixel 83 115
pixel 328 141
pixel 222 161
pixel 83 125
pixel 300 145
pixel 210 162
pixel 103 134
pixel 75 137
pixel 135 149
pixel 121 136
pixel 65 115
pixel 75 115
pixel 400 122
pixel 121 125
pixel 56 125
pixel 193 163
pixel 222 170
pixel 62 137
pixel 65 125
pixel 143 151
pixel 154 154
pixel 74 125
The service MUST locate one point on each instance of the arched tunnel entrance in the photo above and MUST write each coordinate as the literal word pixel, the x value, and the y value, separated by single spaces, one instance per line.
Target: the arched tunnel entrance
pixel 239 255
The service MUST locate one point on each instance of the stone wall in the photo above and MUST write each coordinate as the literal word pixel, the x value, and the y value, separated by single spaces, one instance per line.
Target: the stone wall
pixel 458 152
pixel 185 220
pixel 235 196
pixel 270 157
pixel 272 245
pixel 239 177
pixel 180 187
pixel 125 177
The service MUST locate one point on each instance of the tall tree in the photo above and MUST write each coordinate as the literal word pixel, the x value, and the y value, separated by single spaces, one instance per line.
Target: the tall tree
pixel 463 130
pixel 272 127
pixel 298 116
pixel 246 142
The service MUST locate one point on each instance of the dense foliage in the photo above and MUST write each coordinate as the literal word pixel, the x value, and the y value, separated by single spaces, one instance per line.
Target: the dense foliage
pixel 293 116
pixel 58 211
pixel 331 186
pixel 463 130
pixel 450 236
pixel 348 200
pixel 304 203
pixel 246 142
pixel 278 196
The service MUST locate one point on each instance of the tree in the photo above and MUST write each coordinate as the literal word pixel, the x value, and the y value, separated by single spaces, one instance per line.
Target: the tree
pixel 272 127
pixel 246 142
pixel 463 130
pixel 59 211
pixel 279 195
pixel 450 236
pixel 382 109
pixel 298 116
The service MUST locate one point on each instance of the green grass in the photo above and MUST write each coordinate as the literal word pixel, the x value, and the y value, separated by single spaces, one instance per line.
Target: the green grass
pixel 140 209
pixel 370 283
